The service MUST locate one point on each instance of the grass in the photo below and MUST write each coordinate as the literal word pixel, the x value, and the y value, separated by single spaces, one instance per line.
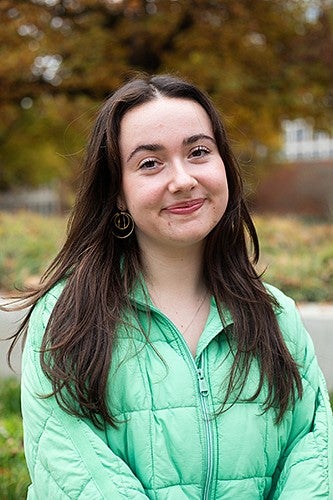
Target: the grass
pixel 14 477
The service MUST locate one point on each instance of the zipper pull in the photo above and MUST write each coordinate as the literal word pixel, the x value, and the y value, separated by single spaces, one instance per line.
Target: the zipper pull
pixel 203 387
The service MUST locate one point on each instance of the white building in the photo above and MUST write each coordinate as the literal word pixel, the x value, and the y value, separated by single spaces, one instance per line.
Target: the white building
pixel 302 142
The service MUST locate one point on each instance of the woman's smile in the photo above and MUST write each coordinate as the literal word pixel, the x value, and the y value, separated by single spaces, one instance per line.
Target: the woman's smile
pixel 185 207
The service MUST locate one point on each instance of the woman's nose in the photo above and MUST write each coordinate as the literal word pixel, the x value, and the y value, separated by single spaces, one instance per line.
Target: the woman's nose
pixel 181 178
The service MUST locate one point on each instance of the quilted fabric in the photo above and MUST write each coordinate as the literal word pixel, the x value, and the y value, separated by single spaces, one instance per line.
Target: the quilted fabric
pixel 169 445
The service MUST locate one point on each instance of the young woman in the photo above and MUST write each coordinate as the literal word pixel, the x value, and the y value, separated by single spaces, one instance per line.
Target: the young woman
pixel 156 363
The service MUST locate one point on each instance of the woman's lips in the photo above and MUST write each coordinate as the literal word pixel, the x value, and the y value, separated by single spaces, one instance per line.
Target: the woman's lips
pixel 185 207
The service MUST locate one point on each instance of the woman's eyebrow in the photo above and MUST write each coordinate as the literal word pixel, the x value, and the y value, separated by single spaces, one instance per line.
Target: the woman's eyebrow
pixel 197 137
pixel 145 147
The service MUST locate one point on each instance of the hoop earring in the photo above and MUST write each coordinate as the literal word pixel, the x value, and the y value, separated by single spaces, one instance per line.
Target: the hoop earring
pixel 122 225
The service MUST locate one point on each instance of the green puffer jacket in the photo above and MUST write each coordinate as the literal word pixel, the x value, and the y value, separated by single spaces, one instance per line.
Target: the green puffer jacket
pixel 168 445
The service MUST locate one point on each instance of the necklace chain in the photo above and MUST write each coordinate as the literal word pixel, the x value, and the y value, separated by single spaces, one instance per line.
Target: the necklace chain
pixel 195 314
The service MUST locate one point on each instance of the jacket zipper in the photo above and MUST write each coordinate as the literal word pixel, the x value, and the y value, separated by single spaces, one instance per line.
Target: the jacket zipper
pixel 203 389
pixel 203 392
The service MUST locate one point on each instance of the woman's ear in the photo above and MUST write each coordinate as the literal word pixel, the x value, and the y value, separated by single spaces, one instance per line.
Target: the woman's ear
pixel 121 203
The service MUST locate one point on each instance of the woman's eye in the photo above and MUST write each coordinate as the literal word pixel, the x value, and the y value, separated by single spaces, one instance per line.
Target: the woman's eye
pixel 148 164
pixel 199 152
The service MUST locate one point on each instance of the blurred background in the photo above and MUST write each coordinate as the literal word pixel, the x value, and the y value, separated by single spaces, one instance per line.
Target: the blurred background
pixel 267 64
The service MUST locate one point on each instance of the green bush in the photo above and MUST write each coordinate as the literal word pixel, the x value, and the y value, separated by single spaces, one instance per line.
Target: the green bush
pixel 14 477
pixel 28 244
pixel 297 256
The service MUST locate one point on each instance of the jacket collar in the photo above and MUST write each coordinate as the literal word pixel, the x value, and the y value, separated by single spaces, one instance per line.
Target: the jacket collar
pixel 214 325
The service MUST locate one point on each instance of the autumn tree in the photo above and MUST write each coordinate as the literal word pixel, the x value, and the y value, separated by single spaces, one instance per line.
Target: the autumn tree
pixel 261 60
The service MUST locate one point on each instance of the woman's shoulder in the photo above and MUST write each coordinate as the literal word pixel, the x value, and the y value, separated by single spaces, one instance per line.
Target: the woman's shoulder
pixel 284 302
pixel 42 310
pixel 47 302
pixel 285 308
pixel 291 325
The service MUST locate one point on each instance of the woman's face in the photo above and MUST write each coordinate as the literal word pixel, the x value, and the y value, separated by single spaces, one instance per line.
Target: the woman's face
pixel 174 180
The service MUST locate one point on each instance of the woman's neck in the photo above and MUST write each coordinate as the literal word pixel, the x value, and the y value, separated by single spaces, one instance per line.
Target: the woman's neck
pixel 178 272
pixel 176 287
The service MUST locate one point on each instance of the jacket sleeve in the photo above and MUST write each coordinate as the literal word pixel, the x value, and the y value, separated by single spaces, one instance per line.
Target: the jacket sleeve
pixel 306 467
pixel 67 457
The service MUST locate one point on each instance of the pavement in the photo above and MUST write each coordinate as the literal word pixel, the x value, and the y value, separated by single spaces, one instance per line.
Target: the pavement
pixel 9 322
pixel 318 319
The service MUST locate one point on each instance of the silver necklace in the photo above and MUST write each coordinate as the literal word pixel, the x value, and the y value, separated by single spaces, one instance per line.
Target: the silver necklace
pixel 195 314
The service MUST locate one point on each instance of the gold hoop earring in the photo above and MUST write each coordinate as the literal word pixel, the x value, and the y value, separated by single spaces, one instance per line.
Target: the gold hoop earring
pixel 122 225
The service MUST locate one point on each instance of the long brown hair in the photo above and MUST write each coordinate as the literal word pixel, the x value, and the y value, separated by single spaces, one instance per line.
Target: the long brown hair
pixel 101 270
